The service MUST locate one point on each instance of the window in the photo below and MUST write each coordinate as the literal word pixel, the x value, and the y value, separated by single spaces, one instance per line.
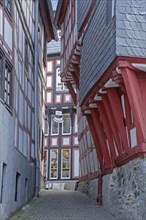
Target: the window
pixel 66 125
pixel 54 126
pixel 53 164
pixel 8 6
pixel 5 81
pixel 65 164
pixel 17 185
pixel 110 10
pixel 3 182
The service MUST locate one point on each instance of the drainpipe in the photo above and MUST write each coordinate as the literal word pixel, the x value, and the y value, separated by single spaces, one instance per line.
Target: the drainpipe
pixel 37 168
pixel 99 197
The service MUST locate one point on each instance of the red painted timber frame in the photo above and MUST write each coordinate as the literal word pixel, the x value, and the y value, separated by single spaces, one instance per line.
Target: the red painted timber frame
pixel 108 120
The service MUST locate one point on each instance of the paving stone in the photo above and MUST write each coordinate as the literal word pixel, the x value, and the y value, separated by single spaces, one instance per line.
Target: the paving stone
pixel 62 205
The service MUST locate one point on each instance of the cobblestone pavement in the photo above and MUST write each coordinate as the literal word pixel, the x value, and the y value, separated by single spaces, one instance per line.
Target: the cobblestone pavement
pixel 62 205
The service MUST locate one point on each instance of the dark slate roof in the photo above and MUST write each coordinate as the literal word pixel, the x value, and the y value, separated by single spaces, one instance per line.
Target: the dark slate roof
pixel 131 28
pixel 53 47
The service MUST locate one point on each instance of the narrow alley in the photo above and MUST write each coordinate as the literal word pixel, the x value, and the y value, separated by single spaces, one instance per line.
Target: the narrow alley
pixel 61 205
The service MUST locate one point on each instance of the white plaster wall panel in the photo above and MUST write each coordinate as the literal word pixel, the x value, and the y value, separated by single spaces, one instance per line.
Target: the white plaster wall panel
pixel 16 131
pixel 20 140
pixel 16 61
pixel 25 145
pixel 1 22
pixel 16 95
pixel 91 162
pixel 133 137
pixel 67 98
pixel 88 164
pixel 58 98
pixel 76 163
pixel 75 124
pixel 66 141
pixel 96 165
pixel 85 166
pixel 32 125
pixel 29 91
pixel 49 81
pixel 20 37
pixel 32 102
pixel 54 141
pixel 49 97
pixel 76 141
pixel 8 33
pixel 29 118
pixel 32 151
pixel 20 106
pixel 58 62
pixel 45 141
pixel 28 147
pixel 26 114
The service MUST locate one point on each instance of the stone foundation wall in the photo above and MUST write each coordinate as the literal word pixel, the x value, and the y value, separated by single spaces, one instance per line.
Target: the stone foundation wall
pixel 124 191
pixel 90 188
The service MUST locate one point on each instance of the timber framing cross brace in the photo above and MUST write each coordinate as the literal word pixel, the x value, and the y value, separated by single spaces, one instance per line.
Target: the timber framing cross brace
pixel 116 114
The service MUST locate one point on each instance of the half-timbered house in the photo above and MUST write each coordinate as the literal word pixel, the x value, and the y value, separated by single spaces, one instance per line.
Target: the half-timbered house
pixel 25 28
pixel 61 141
pixel 103 62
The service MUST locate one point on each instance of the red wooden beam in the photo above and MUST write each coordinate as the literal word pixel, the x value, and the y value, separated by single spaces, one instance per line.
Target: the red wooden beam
pixel 118 115
pixel 112 122
pixel 101 137
pixel 135 98
pixel 72 92
pixel 107 127
pixel 95 139
pixel 76 79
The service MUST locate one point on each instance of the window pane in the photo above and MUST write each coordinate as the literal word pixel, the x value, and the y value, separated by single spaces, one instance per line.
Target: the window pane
pixel 66 126
pixel 65 164
pixel 54 127
pixel 54 164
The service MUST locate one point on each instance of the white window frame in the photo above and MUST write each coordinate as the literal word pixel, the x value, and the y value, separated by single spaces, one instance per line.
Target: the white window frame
pixel 57 129
pixel 69 164
pixel 63 126
pixel 53 178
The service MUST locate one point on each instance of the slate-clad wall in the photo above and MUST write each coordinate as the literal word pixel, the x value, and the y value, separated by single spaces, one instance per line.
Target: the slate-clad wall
pixel 99 49
pixel 125 35
pixel 131 28
pixel 82 9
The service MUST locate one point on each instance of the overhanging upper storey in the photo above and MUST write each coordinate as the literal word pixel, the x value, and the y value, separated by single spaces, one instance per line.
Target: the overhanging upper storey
pixel 66 20
pixel 47 16
pixel 71 41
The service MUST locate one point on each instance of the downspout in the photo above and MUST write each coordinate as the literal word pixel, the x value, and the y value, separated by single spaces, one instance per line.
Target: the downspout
pixel 37 168
pixel 99 196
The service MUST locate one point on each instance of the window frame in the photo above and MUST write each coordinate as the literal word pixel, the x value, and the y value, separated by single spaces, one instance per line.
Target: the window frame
pixel 63 125
pixel 69 162
pixel 52 134
pixel 54 178
pixel 6 63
